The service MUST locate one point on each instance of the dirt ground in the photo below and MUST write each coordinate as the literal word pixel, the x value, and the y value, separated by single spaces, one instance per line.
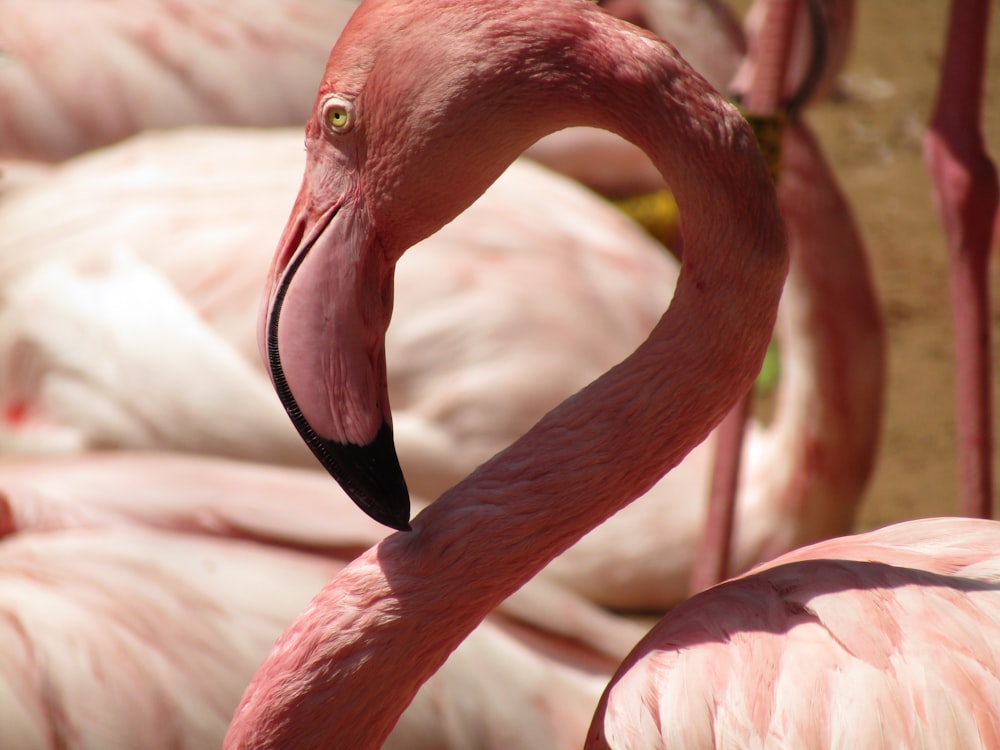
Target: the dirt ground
pixel 872 131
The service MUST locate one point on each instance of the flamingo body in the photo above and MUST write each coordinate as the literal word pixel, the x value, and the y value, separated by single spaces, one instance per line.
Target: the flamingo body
pixel 155 65
pixel 503 313
pixel 108 358
pixel 121 638
pixel 138 592
pixel 245 62
pixel 171 240
pixel 885 639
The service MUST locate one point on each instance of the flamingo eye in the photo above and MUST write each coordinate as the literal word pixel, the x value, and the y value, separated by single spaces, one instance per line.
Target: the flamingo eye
pixel 338 115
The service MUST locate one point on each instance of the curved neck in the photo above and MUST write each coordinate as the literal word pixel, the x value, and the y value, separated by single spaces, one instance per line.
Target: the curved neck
pixel 351 663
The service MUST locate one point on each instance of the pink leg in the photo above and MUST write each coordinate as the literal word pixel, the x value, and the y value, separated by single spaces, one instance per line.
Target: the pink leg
pixel 711 561
pixel 965 185
pixel 771 50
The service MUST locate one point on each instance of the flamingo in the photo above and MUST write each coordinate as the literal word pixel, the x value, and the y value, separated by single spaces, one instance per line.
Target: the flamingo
pixel 347 667
pixel 124 638
pixel 181 493
pixel 770 54
pixel 776 52
pixel 139 591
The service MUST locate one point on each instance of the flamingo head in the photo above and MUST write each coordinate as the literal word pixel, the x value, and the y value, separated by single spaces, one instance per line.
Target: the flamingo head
pixel 402 138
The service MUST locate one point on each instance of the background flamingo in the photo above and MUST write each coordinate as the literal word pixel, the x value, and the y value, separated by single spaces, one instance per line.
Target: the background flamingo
pixel 168 238
pixel 120 638
pixel 154 65
pixel 472 322
pixel 541 494
pixel 110 356
pixel 447 421
pixel 160 66
pixel 140 591
pixel 767 108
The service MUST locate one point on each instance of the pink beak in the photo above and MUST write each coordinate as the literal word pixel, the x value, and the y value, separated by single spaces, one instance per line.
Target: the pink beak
pixel 322 327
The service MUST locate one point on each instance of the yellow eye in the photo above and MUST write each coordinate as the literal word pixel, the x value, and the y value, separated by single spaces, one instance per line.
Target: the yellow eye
pixel 338 115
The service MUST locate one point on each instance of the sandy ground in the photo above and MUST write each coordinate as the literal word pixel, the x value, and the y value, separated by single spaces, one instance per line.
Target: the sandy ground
pixel 872 132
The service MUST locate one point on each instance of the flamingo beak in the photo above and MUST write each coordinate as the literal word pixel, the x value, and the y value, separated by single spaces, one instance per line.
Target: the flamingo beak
pixel 322 329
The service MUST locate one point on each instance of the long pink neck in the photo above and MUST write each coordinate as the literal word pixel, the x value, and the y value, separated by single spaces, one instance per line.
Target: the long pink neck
pixel 347 668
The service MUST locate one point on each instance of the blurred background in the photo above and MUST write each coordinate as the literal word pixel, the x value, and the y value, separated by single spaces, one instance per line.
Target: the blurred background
pixel 871 130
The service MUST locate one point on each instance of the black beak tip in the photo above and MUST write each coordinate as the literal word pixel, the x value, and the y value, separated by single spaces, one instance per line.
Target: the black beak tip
pixel 392 511
pixel 371 475
pixel 395 516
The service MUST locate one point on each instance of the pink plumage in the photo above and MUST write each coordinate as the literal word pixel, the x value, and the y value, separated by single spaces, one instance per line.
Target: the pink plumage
pixel 885 639
pixel 78 74
pixel 138 593
pixel 500 315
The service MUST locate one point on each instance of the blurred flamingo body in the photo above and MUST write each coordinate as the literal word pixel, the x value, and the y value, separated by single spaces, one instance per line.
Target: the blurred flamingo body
pixel 502 314
pixel 170 63
pixel 154 65
pixel 123 638
pixel 185 494
pixel 171 242
pixel 108 356
pixel 139 592
pixel 352 661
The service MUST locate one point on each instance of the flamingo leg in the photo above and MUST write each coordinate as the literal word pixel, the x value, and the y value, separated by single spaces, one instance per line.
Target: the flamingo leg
pixel 772 51
pixel 711 561
pixel 966 195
